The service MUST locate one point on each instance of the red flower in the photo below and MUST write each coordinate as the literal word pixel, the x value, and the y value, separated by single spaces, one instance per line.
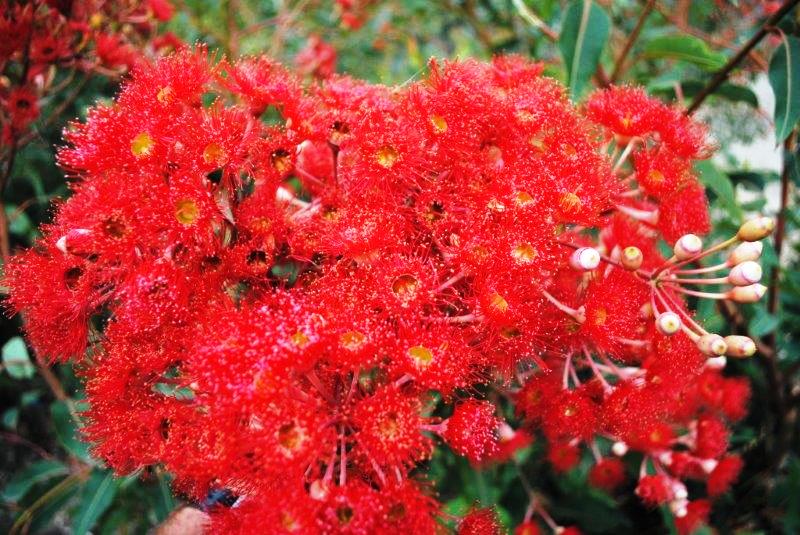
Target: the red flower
pixel 472 430
pixel 607 474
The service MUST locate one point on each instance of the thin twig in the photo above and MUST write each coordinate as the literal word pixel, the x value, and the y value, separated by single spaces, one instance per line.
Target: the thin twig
pixel 723 73
pixel 631 40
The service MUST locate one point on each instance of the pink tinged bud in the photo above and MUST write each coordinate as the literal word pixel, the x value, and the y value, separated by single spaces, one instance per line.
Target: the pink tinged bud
pixel 746 273
pixel 619 449
pixel 679 490
pixel 585 259
pixel 747 294
pixel 740 346
pixel 506 432
pixel 687 246
pixel 744 252
pixel 631 258
pixel 716 363
pixel 678 507
pixel 665 458
pixel 708 465
pixel 756 229
pixel 76 241
pixel 668 323
pixel 712 345
pixel 318 490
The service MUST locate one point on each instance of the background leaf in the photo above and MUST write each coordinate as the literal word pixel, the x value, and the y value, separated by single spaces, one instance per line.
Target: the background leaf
pixel 685 48
pixel 719 183
pixel 784 77
pixel 96 497
pixel 33 474
pixel 584 33
pixel 16 360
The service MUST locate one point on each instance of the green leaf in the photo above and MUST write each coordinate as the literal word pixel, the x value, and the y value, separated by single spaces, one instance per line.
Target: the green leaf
pixel 16 360
pixel 162 500
pixel 763 324
pixel 584 33
pixel 38 472
pixel 685 48
pixel 67 431
pixel 11 418
pixel 784 77
pixel 690 88
pixel 96 497
pixel 721 185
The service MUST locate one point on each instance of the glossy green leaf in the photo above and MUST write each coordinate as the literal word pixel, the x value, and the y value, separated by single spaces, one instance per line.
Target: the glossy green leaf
pixel 763 324
pixel 35 473
pixel 67 431
pixel 584 33
pixel 784 77
pixel 721 185
pixel 95 499
pixel 690 88
pixel 684 48
pixel 16 360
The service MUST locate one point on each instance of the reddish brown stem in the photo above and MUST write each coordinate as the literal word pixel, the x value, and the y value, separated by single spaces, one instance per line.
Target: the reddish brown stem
pixel 725 71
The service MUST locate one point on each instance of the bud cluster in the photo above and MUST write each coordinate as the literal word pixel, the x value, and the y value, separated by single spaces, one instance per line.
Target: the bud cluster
pixel 300 312
pixel 45 44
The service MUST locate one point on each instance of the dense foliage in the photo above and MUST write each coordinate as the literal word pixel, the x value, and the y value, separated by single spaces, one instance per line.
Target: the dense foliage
pixel 472 300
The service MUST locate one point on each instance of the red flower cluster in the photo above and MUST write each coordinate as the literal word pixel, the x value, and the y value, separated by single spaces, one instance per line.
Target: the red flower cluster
pixel 45 40
pixel 267 308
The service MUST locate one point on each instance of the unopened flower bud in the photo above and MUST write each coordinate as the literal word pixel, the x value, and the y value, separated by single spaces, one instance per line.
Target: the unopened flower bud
pixel 585 259
pixel 679 490
pixel 716 363
pixel 747 294
pixel 668 323
pixel 746 273
pixel 619 448
pixel 318 490
pixel 631 258
pixel 687 246
pixel 756 229
pixel 712 345
pixel 678 507
pixel 708 465
pixel 749 250
pixel 740 346
pixel 76 241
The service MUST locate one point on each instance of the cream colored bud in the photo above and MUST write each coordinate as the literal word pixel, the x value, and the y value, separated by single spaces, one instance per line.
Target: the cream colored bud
pixel 740 346
pixel 712 345
pixel 716 363
pixel 619 448
pixel 687 246
pixel 318 490
pixel 708 465
pixel 668 323
pixel 745 274
pixel 631 258
pixel 747 294
pixel 749 250
pixel 585 259
pixel 756 229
